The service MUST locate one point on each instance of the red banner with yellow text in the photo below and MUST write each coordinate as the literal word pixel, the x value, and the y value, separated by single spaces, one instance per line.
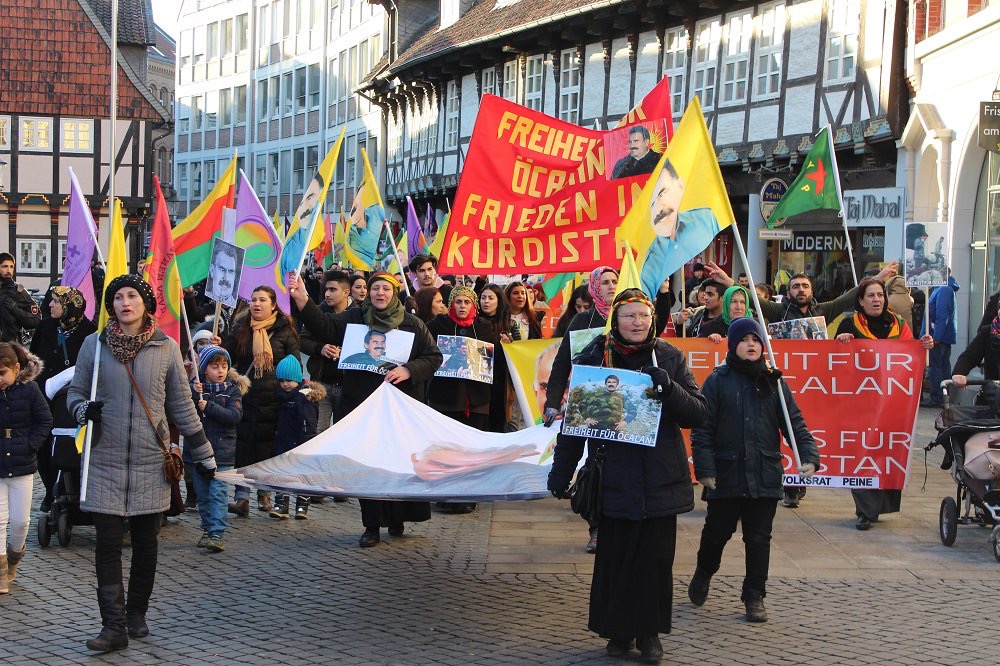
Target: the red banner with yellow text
pixel 859 401
pixel 541 195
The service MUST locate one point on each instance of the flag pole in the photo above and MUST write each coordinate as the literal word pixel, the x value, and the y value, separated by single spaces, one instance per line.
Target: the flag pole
pixel 767 344
pixel 187 325
pixel 840 199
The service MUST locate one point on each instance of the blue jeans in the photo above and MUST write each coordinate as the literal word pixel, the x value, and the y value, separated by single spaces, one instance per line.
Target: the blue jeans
pixel 212 504
pixel 938 370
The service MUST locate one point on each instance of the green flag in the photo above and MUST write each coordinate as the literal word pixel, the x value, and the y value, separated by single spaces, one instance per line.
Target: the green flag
pixel 816 185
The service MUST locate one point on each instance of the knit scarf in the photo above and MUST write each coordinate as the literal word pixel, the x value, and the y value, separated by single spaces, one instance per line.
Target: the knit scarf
pixel 614 341
pixel 125 347
pixel 211 387
pixel 385 320
pixel 764 377
pixel 884 327
pixel 263 356
pixel 594 287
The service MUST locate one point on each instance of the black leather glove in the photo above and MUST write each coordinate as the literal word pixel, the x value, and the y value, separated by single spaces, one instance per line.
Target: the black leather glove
pixel 550 416
pixel 558 488
pixel 661 378
pixel 89 411
pixel 206 467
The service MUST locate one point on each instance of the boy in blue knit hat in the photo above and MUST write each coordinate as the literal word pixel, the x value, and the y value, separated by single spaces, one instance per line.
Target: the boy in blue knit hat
pixel 298 412
pixel 219 398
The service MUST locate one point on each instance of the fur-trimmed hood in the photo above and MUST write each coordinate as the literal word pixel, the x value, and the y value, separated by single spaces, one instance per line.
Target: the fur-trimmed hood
pixel 29 370
pixel 242 382
pixel 314 391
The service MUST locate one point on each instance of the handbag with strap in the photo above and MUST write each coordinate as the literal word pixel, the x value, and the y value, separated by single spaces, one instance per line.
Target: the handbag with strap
pixel 173 464
pixel 586 494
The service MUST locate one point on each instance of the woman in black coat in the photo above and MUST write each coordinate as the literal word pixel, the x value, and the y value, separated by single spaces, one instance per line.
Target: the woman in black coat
pixel 381 311
pixel 56 343
pixel 255 342
pixel 644 488
pixel 465 400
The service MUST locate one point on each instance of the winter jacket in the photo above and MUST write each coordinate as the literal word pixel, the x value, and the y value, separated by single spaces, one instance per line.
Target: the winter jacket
pixel 25 421
pixel 255 432
pixel 738 444
pixel 321 368
pixel 787 310
pixel 57 357
pixel 221 416
pixel 640 481
pixel 126 458
pixel 298 412
pixel 982 350
pixel 944 329
pixel 425 357
pixel 451 394
pixel 18 310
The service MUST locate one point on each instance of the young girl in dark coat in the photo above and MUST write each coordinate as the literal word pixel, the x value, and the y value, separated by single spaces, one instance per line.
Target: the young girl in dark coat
pixel 737 458
pixel 298 412
pixel 25 422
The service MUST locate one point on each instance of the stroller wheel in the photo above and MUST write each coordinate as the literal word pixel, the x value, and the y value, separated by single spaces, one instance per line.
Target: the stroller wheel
pixel 44 531
pixel 995 542
pixel 948 523
pixel 64 529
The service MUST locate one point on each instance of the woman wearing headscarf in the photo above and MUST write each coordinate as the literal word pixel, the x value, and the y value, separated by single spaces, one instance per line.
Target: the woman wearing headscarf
pixel 256 343
pixel 381 311
pixel 465 400
pixel 644 488
pixel 602 285
pixel 873 320
pixel 57 342
pixel 736 303
pixel 141 389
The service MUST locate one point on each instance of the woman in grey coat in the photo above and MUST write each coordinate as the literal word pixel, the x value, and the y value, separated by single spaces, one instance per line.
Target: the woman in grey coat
pixel 126 479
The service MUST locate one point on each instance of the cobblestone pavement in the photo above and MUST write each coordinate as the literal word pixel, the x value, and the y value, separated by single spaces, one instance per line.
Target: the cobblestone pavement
pixel 508 584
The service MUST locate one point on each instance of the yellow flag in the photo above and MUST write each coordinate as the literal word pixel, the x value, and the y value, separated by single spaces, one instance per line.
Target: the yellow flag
pixel 681 208
pixel 81 437
pixel 628 278
pixel 366 221
pixel 279 226
pixel 340 239
pixel 117 262
pixel 435 248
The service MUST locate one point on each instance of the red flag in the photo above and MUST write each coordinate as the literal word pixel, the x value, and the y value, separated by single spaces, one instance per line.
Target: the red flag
pixel 161 271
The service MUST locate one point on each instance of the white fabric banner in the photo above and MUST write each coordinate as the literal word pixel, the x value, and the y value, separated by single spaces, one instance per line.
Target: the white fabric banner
pixel 394 447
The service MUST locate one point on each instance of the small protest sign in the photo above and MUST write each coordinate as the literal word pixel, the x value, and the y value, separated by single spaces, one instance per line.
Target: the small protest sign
pixel 465 358
pixel 614 404
pixel 373 351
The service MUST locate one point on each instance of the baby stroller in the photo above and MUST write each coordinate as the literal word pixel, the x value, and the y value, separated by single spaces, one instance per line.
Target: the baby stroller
pixel 65 512
pixel 970 436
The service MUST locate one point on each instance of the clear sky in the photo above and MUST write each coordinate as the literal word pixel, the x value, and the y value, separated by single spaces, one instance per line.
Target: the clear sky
pixel 165 15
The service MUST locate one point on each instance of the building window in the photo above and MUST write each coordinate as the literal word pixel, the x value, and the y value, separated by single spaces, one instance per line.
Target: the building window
pixel 227 37
pixel 36 134
pixel 489 80
pixel 569 86
pixel 184 51
pixel 212 41
pixel 77 135
pixel 298 170
pixel 5 132
pixel 451 117
pixel 182 181
pixel 272 168
pixel 211 109
pixel 210 178
pixel 62 256
pixel 199 45
pixel 263 36
pixel 675 67
pixel 842 41
pixel 241 37
pixel 300 89
pixel 240 105
pixel 197 113
pixel 225 108
pixel 510 80
pixel 767 65
pixel 736 58
pixel 196 180
pixel 313 86
pixel 275 96
pixel 287 94
pixel 33 256
pixel 533 82
pixel 706 49
pixel 263 101
pixel 260 178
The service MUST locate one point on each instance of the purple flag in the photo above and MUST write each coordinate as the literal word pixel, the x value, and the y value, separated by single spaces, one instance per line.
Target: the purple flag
pixel 81 241
pixel 255 233
pixel 415 241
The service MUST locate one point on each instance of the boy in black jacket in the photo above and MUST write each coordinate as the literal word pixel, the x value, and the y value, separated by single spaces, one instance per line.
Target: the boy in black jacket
pixel 298 410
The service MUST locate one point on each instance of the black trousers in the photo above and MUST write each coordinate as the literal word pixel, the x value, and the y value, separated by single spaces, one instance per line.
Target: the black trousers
pixel 757 517
pixel 144 531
